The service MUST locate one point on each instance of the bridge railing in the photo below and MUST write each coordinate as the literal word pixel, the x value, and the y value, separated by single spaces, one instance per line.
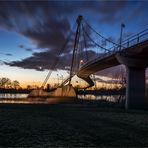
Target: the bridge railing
pixel 98 57
pixel 133 40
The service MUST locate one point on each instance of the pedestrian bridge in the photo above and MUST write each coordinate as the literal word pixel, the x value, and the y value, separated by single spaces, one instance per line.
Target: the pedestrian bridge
pixel 134 55
pixel 132 52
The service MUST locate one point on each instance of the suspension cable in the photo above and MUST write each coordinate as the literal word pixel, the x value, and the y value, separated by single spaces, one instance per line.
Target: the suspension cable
pixel 94 41
pixel 57 60
pixel 100 34
pixel 85 46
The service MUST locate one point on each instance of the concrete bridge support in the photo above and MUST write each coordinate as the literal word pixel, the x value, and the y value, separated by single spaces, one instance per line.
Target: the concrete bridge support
pixel 135 90
pixel 135 85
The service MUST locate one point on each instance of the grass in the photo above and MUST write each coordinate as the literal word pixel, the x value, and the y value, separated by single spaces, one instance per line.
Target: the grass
pixel 68 125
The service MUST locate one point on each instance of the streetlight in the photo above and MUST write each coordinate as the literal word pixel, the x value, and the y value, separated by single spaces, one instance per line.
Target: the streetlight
pixel 62 78
pixel 121 32
pixel 58 79
pixel 81 63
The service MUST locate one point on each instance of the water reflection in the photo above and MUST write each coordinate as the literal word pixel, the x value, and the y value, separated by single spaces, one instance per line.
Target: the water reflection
pixel 12 96
pixel 22 98
pixel 110 98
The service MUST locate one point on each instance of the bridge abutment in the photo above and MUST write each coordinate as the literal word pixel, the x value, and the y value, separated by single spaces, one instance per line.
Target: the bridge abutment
pixel 136 83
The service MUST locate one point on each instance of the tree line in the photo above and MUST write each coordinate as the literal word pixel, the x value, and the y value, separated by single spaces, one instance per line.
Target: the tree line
pixel 6 83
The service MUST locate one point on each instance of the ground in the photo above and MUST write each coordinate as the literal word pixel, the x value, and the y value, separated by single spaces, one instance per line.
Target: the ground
pixel 70 125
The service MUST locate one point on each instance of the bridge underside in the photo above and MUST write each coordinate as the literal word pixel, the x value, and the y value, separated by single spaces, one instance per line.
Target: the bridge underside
pixel 98 66
pixel 135 60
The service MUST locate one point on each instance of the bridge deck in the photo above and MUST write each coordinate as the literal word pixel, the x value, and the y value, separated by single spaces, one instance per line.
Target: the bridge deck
pixel 110 60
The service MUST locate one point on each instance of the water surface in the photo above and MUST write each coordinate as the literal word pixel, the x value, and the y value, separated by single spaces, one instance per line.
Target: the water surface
pixel 12 96
pixel 18 98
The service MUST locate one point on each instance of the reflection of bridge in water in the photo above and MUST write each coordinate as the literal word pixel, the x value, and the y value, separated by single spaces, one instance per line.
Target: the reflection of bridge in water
pixel 133 53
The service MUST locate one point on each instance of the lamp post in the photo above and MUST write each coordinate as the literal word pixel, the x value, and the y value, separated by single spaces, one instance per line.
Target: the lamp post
pixel 121 32
pixel 58 78
pixel 62 78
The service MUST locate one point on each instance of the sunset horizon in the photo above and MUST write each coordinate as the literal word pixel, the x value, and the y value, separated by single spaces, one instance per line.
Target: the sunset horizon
pixel 28 47
pixel 73 73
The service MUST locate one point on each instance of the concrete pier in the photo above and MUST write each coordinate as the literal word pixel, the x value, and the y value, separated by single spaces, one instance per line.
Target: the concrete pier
pixel 136 83
pixel 135 90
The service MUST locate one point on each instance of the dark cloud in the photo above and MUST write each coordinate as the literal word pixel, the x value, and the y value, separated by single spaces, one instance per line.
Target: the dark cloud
pixel 38 61
pixel 138 11
pixel 29 49
pixel 111 7
pixel 42 24
pixel 21 46
pixel 6 54
pixel 46 28
pixel 31 13
pixel 47 60
pixel 110 10
pixel 47 24
pixel 52 34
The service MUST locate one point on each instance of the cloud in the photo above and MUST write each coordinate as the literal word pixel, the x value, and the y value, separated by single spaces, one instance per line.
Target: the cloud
pixel 37 60
pixel 111 7
pixel 39 22
pixel 1 62
pixel 47 23
pixel 29 49
pixel 47 60
pixel 45 28
pixel 21 46
pixel 35 13
pixel 139 11
pixel 110 11
pixel 52 34
pixel 26 49
pixel 6 54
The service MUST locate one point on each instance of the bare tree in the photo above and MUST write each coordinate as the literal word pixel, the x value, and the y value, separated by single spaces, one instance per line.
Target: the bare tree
pixel 5 83
pixel 15 84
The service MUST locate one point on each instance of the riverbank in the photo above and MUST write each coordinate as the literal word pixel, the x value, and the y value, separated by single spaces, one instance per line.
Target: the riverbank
pixel 67 125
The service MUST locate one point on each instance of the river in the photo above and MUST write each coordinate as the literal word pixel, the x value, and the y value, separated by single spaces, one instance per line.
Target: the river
pixel 17 98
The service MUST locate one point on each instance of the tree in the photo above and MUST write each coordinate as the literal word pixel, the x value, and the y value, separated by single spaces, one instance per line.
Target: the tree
pixel 5 82
pixel 15 84
pixel 28 87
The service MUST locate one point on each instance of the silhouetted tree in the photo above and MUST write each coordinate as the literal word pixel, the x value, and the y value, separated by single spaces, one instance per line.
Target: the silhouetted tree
pixel 15 84
pixel 5 83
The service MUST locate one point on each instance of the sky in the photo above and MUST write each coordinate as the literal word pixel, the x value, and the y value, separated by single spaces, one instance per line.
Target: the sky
pixel 33 32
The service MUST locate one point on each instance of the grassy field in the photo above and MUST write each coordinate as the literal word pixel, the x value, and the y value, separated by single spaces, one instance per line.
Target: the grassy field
pixel 67 125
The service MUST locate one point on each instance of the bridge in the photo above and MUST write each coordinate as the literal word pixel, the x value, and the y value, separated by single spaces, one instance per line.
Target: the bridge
pixel 135 62
pixel 133 53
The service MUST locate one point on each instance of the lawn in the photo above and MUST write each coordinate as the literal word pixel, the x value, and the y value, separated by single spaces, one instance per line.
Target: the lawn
pixel 68 125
